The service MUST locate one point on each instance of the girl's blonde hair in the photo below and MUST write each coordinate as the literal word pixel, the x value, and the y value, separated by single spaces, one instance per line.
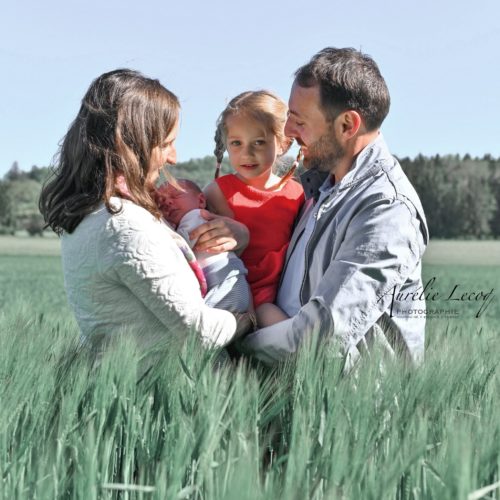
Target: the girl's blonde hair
pixel 262 106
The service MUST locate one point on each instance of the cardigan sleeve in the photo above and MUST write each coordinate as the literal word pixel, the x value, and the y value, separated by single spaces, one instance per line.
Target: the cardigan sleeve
pixel 146 260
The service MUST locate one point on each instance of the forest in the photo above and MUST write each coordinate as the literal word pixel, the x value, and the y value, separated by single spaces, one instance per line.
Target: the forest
pixel 460 194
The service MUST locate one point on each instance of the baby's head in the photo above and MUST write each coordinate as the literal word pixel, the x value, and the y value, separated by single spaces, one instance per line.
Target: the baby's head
pixel 175 203
pixel 261 110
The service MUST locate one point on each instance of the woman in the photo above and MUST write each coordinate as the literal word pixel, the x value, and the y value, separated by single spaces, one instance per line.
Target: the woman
pixel 124 269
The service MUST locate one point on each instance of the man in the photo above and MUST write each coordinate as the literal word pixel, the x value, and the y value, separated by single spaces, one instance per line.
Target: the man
pixel 353 266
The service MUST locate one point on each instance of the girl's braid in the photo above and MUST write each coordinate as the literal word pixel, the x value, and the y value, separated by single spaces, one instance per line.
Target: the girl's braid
pixel 220 147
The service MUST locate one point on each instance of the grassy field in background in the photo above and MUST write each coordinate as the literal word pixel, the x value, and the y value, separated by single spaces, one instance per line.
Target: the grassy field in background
pixel 185 430
pixel 26 245
pixel 463 252
pixel 439 252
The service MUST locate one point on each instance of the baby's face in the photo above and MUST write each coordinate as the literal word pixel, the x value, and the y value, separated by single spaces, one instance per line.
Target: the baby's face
pixel 174 204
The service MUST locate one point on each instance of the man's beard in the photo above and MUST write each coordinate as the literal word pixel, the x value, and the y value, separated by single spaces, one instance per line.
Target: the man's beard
pixel 325 154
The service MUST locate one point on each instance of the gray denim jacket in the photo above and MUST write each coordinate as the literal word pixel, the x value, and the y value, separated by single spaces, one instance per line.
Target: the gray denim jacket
pixel 363 265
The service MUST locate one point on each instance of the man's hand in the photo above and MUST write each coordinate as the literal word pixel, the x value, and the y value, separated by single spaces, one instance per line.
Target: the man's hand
pixel 219 234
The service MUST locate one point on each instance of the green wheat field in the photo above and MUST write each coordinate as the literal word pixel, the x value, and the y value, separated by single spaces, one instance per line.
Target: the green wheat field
pixel 190 428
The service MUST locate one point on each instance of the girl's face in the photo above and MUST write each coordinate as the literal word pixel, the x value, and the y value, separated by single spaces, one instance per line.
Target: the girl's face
pixel 252 149
pixel 164 154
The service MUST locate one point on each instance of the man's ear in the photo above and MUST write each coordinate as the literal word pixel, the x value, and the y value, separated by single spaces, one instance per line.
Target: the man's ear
pixel 349 124
pixel 202 201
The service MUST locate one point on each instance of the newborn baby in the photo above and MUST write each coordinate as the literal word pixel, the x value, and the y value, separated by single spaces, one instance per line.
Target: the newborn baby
pixel 225 272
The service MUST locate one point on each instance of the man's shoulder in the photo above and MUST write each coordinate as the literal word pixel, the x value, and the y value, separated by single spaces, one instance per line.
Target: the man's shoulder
pixel 392 193
pixel 389 181
pixel 400 187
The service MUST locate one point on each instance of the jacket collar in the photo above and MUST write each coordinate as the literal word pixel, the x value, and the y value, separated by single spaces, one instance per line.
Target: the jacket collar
pixel 311 181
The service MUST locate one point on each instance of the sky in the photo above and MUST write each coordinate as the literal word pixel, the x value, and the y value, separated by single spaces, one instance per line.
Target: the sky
pixel 440 59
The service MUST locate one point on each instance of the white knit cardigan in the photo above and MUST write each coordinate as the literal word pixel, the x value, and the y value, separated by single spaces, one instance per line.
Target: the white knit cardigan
pixel 124 272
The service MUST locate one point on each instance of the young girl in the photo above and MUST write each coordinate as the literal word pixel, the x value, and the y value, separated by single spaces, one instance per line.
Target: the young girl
pixel 251 129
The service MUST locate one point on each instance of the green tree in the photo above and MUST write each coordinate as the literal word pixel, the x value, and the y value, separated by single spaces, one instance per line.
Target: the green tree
pixel 7 224
pixel 478 207
pixel 23 194
pixel 199 170
pixel 494 183
pixel 38 174
pixel 15 173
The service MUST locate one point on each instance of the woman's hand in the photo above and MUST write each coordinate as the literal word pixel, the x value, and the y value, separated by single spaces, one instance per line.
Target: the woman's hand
pixel 220 234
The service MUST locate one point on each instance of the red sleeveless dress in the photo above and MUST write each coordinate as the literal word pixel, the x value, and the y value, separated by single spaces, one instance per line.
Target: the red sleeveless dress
pixel 269 216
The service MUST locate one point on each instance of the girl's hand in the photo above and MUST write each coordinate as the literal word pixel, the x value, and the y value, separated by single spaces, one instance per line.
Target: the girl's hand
pixel 220 234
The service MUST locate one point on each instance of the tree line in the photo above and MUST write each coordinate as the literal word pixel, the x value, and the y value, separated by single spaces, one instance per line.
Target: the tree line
pixel 460 195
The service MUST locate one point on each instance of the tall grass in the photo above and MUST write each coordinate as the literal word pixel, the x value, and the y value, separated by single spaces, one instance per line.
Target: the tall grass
pixel 192 427
pixel 188 428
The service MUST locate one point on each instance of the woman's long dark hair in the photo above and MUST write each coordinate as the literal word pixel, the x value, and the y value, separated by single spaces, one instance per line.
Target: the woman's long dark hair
pixel 123 116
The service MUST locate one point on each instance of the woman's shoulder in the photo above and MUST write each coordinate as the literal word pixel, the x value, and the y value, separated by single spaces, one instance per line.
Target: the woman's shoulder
pixel 129 213
pixel 130 229
pixel 106 238
pixel 123 213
